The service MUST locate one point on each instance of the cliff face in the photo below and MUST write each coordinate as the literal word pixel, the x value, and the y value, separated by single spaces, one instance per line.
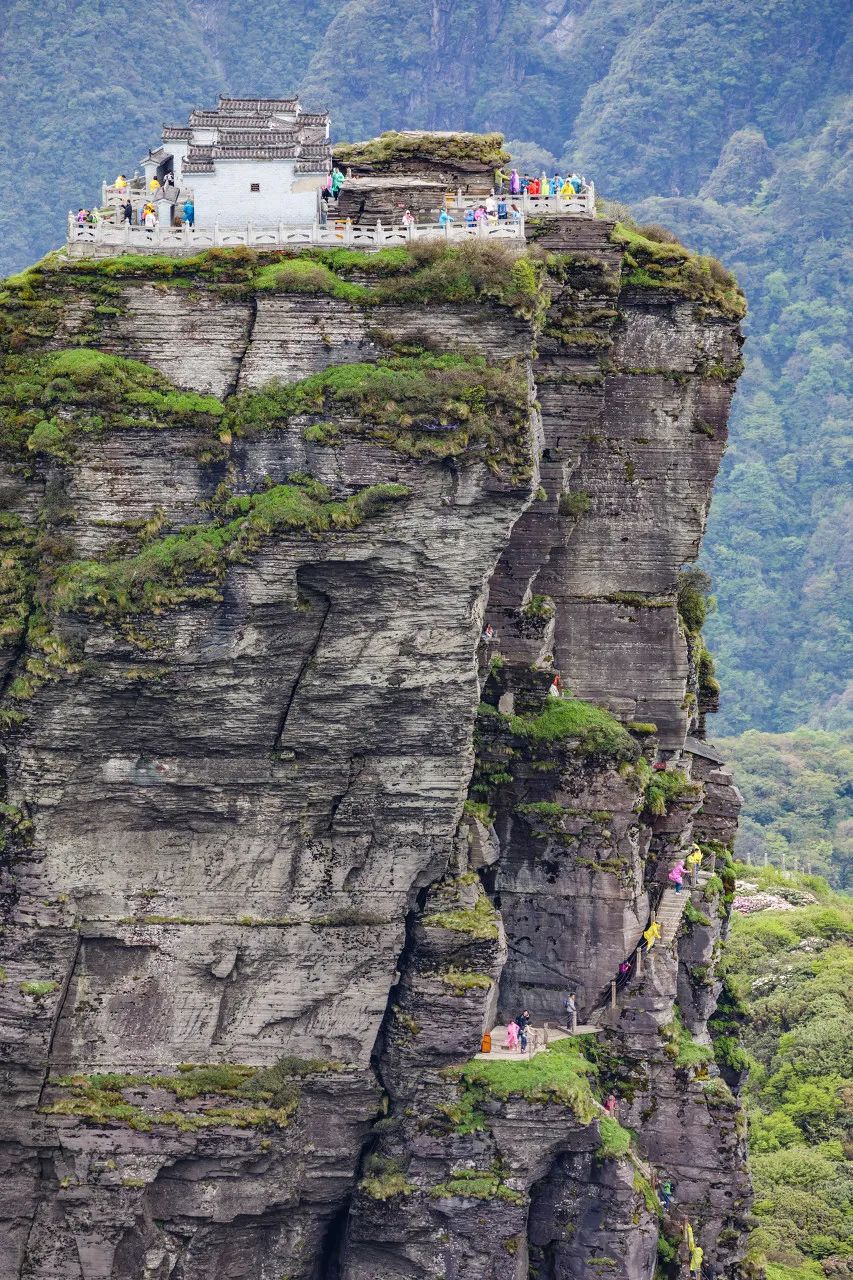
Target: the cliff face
pixel 252 938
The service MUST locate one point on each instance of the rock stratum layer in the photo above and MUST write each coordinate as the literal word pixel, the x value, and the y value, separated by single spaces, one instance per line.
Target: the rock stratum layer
pixel 285 834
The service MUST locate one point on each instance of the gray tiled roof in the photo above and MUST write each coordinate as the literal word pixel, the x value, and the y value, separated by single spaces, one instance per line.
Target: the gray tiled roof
pixel 254 129
pixel 266 105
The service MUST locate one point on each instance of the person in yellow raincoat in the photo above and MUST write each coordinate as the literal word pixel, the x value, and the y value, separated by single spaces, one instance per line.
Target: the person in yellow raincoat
pixel 694 860
pixel 120 182
pixel 652 934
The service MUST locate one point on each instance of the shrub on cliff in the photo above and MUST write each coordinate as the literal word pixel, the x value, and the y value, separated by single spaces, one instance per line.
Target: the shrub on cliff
pixel 650 262
pixel 594 731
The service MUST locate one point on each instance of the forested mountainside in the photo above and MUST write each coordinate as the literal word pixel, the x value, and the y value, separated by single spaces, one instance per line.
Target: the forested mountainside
pixel 726 121
pixel 788 966
pixel 796 790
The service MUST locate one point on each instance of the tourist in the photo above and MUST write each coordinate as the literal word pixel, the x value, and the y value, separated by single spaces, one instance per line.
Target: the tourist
pixel 556 688
pixel 491 204
pixel 502 209
pixel 444 218
pixel 488 632
pixel 558 183
pixel 568 190
pixel 577 184
pixel 515 214
pixel 611 1106
pixel 694 861
pixel 408 218
pixel 189 213
pixel 624 969
pixel 82 215
pixel 337 182
pixel 127 210
pixel 666 1193
pixel 470 217
pixel 501 176
pixel 534 187
pixel 651 935
pixel 676 875
pixel 697 1253
pixel 512 1034
pixel 120 182
pixel 150 219
pixel 514 183
pixel 571 1006
pixel 523 1021
pixel 154 185
pixel 525 184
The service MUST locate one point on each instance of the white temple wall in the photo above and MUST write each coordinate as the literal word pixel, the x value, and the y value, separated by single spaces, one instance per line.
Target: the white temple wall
pixel 226 195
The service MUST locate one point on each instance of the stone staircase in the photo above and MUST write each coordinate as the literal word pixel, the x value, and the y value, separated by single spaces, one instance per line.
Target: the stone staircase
pixel 671 907
pixel 669 913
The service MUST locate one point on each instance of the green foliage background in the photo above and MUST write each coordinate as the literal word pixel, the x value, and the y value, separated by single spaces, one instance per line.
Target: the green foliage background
pixel 792 972
pixel 796 788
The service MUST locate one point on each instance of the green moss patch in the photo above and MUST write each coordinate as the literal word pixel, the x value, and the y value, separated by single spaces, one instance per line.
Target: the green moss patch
pixel 594 731
pixel 462 981
pixel 425 405
pixel 393 151
pixel 46 401
pixel 259 1098
pixel 654 264
pixel 615 1141
pixel 39 987
pixel 190 565
pixel 477 1184
pixel 559 1075
pixel 480 921
pixel 664 788
pixel 682 1048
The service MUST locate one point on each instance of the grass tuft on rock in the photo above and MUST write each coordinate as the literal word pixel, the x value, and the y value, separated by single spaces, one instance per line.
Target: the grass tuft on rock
pixel 595 731
pixel 480 921
pixel 666 787
pixel 558 1075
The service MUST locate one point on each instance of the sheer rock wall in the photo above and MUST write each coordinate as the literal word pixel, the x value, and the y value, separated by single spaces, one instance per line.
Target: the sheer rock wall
pixel 244 815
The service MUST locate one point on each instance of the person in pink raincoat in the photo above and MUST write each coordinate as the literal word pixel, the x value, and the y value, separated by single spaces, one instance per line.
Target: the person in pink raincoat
pixel 512 1034
pixel 677 875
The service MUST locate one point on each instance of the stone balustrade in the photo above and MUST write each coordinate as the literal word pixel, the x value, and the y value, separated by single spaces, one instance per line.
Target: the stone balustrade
pixel 582 205
pixel 103 239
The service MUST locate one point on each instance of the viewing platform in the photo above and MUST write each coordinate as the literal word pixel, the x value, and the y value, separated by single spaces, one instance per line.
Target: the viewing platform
pixel 538 1040
pixel 109 236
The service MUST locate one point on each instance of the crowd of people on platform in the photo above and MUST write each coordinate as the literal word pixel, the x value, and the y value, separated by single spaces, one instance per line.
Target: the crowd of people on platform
pixel 543 185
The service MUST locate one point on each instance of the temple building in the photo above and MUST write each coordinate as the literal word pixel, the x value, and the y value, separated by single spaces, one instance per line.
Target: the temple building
pixel 248 160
